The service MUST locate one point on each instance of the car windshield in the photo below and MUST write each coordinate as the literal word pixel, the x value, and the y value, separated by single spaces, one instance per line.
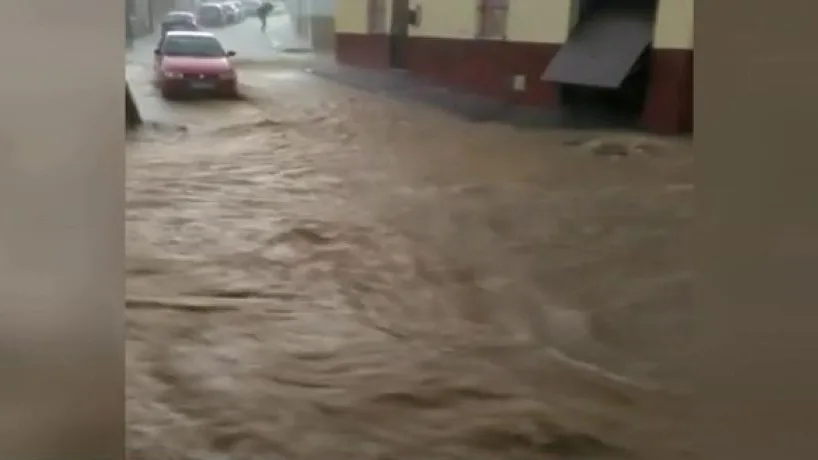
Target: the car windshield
pixel 192 46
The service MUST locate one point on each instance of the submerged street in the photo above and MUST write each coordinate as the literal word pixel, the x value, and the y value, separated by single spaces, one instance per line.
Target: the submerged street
pixel 316 272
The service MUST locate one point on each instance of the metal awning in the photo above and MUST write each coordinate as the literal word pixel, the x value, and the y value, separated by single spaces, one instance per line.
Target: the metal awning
pixel 602 49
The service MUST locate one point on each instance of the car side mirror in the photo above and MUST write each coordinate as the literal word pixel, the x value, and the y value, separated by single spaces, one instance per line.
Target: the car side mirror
pixel 157 52
pixel 231 53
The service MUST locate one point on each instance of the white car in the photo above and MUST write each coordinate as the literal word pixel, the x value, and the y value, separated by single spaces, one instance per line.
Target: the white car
pixel 234 12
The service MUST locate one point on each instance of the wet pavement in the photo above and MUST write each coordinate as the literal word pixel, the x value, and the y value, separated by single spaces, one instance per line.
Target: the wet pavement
pixel 317 272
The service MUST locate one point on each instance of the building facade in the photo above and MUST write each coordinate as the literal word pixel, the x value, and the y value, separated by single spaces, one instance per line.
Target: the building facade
pixel 528 51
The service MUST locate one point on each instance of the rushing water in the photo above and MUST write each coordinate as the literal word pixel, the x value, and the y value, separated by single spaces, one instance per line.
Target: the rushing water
pixel 318 273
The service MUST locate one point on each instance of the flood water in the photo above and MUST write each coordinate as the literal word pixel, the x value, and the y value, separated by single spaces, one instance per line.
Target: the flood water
pixel 320 273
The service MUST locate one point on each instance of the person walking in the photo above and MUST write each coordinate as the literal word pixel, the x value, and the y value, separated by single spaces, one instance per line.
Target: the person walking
pixel 263 11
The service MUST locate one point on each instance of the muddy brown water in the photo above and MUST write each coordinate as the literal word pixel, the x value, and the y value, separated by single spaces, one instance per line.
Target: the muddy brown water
pixel 400 284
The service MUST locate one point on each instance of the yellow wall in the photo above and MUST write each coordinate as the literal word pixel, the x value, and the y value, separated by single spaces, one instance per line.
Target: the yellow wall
pixel 674 25
pixel 539 21
pixel 351 16
pixel 446 19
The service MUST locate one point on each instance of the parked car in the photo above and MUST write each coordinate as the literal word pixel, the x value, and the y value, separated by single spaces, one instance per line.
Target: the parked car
pixel 250 7
pixel 194 62
pixel 238 11
pixel 211 15
pixel 176 17
pixel 175 26
pixel 178 20
pixel 229 13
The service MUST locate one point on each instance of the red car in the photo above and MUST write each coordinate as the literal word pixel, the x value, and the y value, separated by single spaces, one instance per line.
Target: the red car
pixel 194 62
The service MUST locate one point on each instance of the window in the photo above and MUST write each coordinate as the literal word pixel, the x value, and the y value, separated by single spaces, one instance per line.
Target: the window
pixel 376 13
pixel 492 19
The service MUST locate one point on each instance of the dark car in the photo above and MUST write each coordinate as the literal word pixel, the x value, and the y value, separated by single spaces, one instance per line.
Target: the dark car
pixel 211 14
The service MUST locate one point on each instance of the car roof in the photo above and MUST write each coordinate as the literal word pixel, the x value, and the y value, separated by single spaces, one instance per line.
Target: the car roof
pixel 179 13
pixel 190 33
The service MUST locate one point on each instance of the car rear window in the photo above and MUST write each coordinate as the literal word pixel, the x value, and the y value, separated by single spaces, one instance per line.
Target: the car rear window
pixel 192 46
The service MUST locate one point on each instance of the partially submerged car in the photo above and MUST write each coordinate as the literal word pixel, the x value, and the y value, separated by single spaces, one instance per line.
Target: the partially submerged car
pixel 194 62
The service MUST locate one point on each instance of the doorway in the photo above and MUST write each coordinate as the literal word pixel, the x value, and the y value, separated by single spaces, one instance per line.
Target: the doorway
pixel 399 34
pixel 603 69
